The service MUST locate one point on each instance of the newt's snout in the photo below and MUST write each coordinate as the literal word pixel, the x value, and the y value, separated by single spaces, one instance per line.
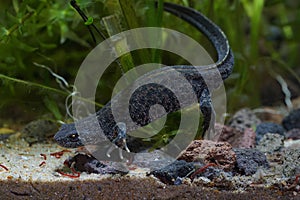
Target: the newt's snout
pixel 68 137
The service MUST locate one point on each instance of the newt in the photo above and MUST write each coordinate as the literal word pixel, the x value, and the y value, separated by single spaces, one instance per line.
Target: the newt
pixel 105 128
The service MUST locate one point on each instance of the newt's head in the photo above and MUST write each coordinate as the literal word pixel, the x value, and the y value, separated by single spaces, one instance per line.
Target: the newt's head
pixel 68 136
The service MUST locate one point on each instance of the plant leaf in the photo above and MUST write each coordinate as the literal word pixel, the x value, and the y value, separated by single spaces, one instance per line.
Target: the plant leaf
pixel 89 21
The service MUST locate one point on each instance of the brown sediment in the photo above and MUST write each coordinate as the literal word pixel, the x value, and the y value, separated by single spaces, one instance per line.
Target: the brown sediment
pixel 128 188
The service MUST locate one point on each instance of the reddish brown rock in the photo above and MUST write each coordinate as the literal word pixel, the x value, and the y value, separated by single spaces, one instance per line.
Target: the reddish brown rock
pixel 226 133
pixel 247 140
pixel 207 151
pixel 236 138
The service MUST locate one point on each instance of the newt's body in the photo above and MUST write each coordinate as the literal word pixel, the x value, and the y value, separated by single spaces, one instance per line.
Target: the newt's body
pixel 152 94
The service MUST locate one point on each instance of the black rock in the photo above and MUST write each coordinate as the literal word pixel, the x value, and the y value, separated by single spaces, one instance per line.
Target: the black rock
pixel 249 160
pixel 173 172
pixel 267 127
pixel 292 120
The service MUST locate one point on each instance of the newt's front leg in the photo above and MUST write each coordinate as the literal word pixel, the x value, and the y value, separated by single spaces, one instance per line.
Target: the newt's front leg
pixel 208 112
pixel 120 140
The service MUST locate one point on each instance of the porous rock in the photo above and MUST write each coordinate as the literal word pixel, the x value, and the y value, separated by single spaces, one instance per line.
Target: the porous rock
pixel 270 143
pixel 292 120
pixel 244 119
pixel 236 138
pixel 249 160
pixel 207 151
pixel 267 127
pixel 291 162
pixel 38 131
pixel 170 173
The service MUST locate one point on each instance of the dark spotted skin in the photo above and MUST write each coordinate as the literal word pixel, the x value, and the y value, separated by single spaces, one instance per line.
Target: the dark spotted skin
pixel 150 94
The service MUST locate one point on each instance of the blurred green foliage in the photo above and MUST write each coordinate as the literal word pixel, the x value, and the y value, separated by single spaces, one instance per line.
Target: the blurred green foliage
pixel 264 35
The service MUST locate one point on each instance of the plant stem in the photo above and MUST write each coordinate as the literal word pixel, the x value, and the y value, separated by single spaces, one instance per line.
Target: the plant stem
pixel 16 26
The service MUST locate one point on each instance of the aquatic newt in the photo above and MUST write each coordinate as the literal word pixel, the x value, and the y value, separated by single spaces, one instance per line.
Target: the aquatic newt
pixel 105 128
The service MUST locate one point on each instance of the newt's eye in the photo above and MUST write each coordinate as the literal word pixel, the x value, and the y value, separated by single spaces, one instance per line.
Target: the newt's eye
pixel 73 137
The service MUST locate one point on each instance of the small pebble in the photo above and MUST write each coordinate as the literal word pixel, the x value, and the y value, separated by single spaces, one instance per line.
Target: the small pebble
pixel 178 181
